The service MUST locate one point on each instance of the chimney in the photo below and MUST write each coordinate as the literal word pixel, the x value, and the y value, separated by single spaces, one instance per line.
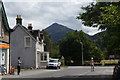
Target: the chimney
pixel 30 27
pixel 19 20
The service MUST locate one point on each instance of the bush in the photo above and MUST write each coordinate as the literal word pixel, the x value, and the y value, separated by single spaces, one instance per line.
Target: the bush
pixel 86 63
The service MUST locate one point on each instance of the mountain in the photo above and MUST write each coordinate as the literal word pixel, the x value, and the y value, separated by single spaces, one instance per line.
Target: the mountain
pixel 58 31
pixel 96 36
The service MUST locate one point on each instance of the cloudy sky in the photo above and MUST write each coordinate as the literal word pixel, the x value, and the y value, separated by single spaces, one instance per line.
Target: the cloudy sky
pixel 44 13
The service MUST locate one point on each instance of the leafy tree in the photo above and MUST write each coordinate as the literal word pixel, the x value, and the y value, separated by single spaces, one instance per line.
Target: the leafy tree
pixel 47 41
pixel 92 15
pixel 105 16
pixel 55 51
pixel 71 47
pixel 53 48
pixel 112 18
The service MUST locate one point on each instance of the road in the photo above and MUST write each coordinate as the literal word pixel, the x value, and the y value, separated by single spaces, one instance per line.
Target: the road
pixel 70 73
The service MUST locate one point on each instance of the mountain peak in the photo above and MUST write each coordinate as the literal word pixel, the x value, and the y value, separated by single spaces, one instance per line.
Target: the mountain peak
pixel 58 31
pixel 56 25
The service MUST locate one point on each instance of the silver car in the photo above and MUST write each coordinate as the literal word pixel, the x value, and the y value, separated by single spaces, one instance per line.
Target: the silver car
pixel 53 63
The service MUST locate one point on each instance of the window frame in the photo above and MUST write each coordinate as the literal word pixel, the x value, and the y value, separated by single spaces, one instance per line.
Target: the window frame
pixel 25 38
pixel 42 58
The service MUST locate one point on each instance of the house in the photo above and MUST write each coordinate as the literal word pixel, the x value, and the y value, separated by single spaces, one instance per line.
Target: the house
pixel 27 44
pixel 4 38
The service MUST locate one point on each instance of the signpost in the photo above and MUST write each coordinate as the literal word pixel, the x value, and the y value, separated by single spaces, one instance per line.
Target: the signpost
pixel 112 56
pixel 62 60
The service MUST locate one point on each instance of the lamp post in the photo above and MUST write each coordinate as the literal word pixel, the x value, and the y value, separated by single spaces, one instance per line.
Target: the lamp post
pixel 82 52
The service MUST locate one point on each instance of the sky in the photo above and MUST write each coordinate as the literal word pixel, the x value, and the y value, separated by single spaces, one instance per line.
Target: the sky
pixel 43 13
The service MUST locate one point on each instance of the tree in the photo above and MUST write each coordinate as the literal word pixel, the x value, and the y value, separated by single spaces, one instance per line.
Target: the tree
pixel 92 15
pixel 47 41
pixel 53 48
pixel 105 16
pixel 71 47
pixel 55 51
pixel 112 18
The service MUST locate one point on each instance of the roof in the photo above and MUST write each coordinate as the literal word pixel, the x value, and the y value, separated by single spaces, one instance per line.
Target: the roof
pixel 34 33
pixel 37 33
pixel 2 9
pixel 25 29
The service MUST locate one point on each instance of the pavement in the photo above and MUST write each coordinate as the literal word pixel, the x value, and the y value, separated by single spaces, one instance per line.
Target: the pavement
pixel 30 73
pixel 70 73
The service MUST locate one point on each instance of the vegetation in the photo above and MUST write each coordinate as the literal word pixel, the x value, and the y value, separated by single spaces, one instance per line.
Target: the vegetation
pixel 71 48
pixel 53 48
pixel 112 17
pixel 105 16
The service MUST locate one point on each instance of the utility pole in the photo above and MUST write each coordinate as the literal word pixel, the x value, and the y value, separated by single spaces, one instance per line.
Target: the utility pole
pixel 82 52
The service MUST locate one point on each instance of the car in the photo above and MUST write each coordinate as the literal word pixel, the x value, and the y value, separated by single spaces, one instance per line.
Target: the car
pixel 53 63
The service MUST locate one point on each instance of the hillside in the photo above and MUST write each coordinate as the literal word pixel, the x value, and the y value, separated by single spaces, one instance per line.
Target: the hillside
pixel 58 31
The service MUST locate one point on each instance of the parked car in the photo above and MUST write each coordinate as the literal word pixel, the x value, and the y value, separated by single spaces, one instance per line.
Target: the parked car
pixel 53 63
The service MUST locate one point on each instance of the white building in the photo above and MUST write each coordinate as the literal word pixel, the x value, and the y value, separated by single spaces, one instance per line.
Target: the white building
pixel 4 38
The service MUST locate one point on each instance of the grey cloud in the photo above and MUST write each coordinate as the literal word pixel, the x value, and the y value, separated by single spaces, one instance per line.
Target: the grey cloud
pixel 44 14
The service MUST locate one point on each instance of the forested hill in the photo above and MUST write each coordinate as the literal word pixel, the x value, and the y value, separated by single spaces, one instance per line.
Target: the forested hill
pixel 58 31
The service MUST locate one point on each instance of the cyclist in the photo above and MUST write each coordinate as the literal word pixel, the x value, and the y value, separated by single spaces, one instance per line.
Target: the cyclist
pixel 92 64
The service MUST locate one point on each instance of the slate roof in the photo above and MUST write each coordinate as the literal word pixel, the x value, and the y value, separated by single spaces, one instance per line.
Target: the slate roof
pixel 34 33
pixel 37 33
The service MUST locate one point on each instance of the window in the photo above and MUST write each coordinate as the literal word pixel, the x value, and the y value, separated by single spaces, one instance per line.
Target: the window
pixel 27 41
pixel 43 57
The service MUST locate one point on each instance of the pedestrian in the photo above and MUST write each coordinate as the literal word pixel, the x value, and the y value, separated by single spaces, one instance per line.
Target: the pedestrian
pixel 92 64
pixel 18 65
pixel 3 70
pixel 116 72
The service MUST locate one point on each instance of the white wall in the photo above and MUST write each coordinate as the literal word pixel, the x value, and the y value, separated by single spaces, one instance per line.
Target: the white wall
pixel 40 45
pixel 8 58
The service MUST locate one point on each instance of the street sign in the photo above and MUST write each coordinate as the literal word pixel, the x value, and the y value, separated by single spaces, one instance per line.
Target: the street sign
pixel 112 56
pixel 62 58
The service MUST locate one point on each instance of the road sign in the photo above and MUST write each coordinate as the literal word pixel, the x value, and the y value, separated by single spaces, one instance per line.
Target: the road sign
pixel 62 58
pixel 112 56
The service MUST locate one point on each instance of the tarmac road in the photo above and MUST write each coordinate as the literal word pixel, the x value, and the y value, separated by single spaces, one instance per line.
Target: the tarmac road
pixel 70 73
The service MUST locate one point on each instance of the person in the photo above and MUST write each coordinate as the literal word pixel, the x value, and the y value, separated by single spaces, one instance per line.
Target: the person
pixel 92 64
pixel 18 65
pixel 116 72
pixel 3 69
